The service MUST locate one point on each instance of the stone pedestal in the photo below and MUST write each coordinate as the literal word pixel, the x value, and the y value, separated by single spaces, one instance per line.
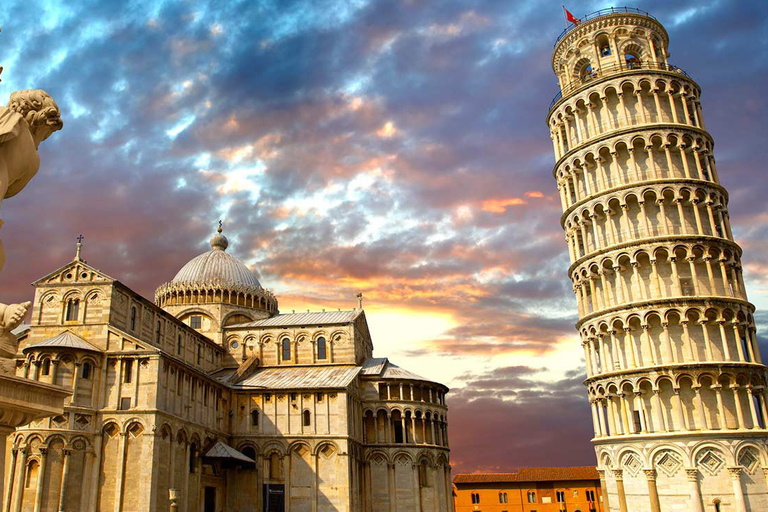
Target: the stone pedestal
pixel 23 401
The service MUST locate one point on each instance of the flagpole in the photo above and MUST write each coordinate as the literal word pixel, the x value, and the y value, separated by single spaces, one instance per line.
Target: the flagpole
pixel 565 17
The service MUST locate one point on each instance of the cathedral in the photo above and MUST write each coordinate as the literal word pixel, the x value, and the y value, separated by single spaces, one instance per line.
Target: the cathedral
pixel 210 400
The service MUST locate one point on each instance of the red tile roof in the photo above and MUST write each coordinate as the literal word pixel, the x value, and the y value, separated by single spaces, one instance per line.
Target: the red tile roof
pixel 531 475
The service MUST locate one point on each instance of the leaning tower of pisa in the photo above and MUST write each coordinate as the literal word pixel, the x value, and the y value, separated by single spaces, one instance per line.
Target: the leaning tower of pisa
pixel 674 376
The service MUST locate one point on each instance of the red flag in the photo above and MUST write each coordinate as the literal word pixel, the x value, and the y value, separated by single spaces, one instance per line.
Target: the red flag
pixel 570 17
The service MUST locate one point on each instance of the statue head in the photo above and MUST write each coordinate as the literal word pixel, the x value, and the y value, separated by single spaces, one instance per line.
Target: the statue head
pixel 39 110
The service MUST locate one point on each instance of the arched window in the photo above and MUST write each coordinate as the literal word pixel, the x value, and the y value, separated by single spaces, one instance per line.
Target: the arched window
pixel 322 352
pixel 716 503
pixel 249 452
pixel 133 318
pixel 502 497
pixel 286 349
pixel 423 477
pixel 475 498
pixel 86 371
pixel 46 367
pixel 32 470
pixel 632 60
pixel 254 418
pixel 532 497
pixel 560 497
pixel 192 457
pixel 604 44
pixel 307 417
pixel 73 307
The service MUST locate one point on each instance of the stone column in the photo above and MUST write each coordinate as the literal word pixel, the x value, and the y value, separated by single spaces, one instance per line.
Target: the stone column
pixel 416 486
pixel 9 483
pixel 738 492
pixel 98 440
pixel 41 478
pixel 123 440
pixel 604 490
pixel 618 474
pixel 392 487
pixel 64 475
pixel 287 480
pixel 722 422
pixel 21 478
pixel 693 485
pixel 653 493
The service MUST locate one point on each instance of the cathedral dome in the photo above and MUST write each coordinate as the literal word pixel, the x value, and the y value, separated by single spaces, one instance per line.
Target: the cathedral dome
pixel 217 266
pixel 216 277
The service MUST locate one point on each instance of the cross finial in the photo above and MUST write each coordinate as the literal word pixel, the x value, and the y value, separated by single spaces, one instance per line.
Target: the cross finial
pixel 220 224
pixel 80 239
pixel 360 300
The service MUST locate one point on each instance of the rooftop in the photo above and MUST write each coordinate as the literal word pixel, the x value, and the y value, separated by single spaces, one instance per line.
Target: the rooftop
pixel 217 267
pixel 66 339
pixel 545 474
pixel 313 318
pixel 298 377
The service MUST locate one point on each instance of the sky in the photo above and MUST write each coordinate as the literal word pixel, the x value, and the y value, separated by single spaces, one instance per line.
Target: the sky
pixel 396 148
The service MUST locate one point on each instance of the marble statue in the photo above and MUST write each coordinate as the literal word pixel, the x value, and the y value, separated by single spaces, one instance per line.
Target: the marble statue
pixel 30 117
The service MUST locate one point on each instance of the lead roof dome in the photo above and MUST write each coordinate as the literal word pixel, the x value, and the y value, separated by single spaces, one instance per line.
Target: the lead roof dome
pixel 217 267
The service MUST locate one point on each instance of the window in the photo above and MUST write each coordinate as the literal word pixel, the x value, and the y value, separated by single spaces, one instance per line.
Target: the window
pixel 178 345
pixel 127 371
pixel 199 354
pixel 133 318
pixel 286 346
pixel 46 369
pixel 196 322
pixel 293 397
pixel 125 404
pixel 633 61
pixel 254 418
pixel 423 476
pixel 319 397
pixel 636 420
pixel 158 331
pixel 86 371
pixel 322 352
pixel 531 497
pixel 716 503
pixel 590 495
pixel 73 307
pixel 475 498
pixel 192 458
pixel 307 418
pixel 502 497
pixel 382 391
pixel 268 397
pixel 560 496
pixel 32 473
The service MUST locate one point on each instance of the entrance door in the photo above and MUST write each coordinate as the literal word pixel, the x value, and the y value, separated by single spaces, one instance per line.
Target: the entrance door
pixel 210 499
pixel 274 498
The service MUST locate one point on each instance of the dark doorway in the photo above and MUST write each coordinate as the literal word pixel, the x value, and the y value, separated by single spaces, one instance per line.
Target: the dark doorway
pixel 210 499
pixel 274 498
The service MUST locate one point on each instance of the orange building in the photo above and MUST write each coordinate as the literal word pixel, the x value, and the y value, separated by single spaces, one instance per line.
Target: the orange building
pixel 574 489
